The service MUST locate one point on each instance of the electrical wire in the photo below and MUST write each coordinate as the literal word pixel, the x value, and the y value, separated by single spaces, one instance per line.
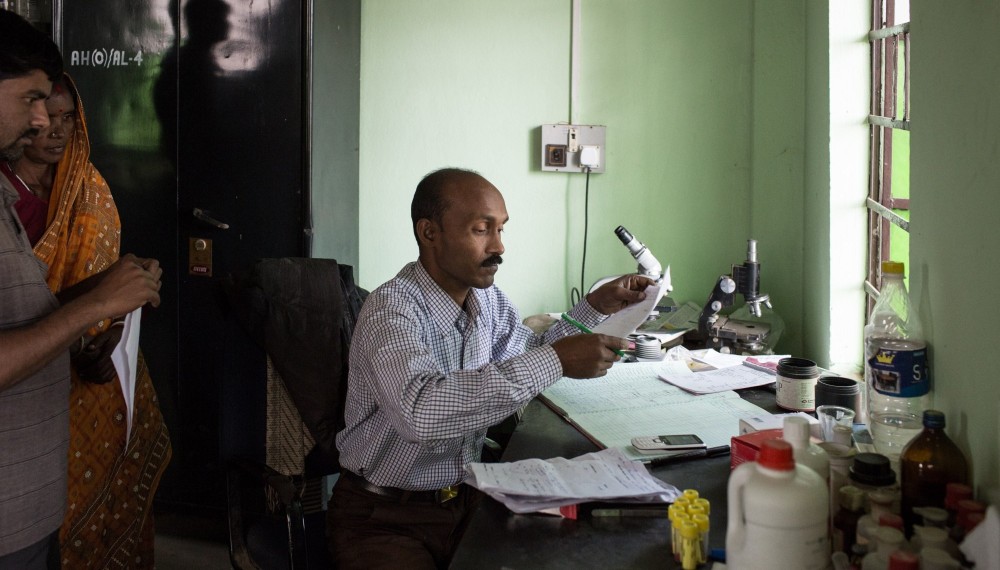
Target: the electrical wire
pixel 576 294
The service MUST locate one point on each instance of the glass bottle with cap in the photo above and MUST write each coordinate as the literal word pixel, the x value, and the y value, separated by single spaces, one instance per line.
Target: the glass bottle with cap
pixel 928 463
pixel 841 458
pixel 845 522
pixel 872 473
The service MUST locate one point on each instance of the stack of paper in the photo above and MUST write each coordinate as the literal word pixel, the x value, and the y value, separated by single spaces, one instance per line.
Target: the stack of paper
pixel 730 372
pixel 533 485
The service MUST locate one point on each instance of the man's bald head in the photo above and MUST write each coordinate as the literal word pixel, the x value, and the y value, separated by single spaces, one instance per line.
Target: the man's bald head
pixel 434 192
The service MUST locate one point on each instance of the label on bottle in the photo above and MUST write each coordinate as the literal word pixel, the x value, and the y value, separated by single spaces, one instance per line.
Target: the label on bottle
pixel 899 368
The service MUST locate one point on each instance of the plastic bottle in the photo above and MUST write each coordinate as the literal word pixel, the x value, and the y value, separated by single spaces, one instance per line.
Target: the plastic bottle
pixel 933 517
pixel 903 560
pixel 937 559
pixel 690 545
pixel 777 513
pixel 889 540
pixel 933 537
pixel 879 503
pixel 953 493
pixel 927 465
pixel 896 370
pixel 678 515
pixel 970 513
pixel 795 430
pixel 704 527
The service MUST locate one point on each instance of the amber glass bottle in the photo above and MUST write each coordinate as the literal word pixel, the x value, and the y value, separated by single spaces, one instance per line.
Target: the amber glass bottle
pixel 927 465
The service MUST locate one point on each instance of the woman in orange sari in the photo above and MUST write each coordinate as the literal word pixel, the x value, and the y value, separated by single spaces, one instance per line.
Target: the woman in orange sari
pixel 112 478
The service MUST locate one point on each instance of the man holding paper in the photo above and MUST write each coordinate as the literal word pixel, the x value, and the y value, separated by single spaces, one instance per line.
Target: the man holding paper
pixel 439 354
pixel 36 328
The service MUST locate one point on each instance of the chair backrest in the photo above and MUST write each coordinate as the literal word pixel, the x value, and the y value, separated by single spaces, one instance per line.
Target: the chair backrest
pixel 302 311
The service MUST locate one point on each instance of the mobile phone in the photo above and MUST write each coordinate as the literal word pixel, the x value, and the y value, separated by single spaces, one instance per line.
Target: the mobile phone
pixel 661 443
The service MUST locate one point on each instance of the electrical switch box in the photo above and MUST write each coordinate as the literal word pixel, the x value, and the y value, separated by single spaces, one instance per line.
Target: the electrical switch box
pixel 564 145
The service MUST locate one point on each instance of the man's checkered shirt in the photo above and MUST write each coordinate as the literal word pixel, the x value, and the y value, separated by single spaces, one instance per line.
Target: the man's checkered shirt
pixel 427 378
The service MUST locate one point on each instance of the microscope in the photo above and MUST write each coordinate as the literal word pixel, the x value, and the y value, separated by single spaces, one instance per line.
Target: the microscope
pixel 727 334
pixel 648 265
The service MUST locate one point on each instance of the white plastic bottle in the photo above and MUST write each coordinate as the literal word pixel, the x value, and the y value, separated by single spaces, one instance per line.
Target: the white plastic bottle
pixel 896 371
pixel 777 513
pixel 889 540
pixel 795 430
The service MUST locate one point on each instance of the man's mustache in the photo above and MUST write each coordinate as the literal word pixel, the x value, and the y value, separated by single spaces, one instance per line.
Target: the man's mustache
pixel 30 133
pixel 493 260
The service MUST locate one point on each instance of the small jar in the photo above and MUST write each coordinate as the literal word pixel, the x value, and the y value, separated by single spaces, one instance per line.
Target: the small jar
pixel 796 384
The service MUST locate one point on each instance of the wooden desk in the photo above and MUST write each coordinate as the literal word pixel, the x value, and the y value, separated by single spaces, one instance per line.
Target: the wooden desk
pixel 498 538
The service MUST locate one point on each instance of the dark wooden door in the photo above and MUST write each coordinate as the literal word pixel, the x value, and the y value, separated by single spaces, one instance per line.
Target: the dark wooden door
pixel 198 105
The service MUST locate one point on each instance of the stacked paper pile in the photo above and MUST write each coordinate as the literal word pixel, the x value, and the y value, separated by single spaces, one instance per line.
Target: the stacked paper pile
pixel 533 485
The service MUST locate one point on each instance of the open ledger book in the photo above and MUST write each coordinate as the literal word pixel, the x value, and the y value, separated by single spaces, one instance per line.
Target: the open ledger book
pixel 632 400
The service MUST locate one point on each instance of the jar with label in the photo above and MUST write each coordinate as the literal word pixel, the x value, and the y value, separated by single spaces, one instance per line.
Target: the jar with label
pixel 796 384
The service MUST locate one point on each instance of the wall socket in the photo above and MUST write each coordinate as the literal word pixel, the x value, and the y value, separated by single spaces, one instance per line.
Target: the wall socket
pixel 562 144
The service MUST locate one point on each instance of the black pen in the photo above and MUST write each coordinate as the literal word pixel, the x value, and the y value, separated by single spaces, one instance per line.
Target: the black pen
pixel 696 454
pixel 630 512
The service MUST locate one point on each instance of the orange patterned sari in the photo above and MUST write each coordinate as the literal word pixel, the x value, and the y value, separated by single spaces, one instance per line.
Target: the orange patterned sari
pixel 109 519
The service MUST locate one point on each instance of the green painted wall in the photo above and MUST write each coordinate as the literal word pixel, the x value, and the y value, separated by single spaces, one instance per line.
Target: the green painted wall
pixel 458 83
pixel 335 128
pixel 777 150
pixel 955 173
pixel 467 83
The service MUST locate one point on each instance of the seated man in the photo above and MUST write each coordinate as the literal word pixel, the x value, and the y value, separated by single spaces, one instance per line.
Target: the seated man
pixel 439 355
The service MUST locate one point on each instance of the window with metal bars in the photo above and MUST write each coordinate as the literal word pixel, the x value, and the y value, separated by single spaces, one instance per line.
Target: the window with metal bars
pixel 889 128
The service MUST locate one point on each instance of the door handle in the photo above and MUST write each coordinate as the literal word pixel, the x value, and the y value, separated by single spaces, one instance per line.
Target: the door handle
pixel 204 217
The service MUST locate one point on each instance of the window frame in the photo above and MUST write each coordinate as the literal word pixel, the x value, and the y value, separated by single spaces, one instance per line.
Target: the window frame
pixel 884 37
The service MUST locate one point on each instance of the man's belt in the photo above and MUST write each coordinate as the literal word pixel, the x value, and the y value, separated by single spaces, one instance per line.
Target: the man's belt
pixel 402 495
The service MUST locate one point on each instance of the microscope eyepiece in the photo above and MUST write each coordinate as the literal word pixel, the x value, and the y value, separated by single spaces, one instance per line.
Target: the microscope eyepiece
pixel 623 235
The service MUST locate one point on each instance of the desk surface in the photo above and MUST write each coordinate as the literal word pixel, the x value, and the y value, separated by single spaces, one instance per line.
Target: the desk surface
pixel 498 538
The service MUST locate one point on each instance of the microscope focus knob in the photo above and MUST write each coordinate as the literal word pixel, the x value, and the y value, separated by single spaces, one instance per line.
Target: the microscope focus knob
pixel 727 285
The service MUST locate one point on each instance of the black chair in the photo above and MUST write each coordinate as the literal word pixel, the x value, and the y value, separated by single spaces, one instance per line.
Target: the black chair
pixel 302 313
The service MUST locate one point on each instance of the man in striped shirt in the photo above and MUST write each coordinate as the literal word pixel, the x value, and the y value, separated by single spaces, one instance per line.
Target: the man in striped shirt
pixel 439 354
pixel 36 332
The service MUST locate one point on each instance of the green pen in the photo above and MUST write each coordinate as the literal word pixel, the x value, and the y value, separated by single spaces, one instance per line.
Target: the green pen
pixel 584 328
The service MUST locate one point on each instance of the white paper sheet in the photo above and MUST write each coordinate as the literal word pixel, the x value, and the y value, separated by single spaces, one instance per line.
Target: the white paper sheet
pixel 532 485
pixel 625 321
pixel 712 381
pixel 125 358
pixel 716 359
